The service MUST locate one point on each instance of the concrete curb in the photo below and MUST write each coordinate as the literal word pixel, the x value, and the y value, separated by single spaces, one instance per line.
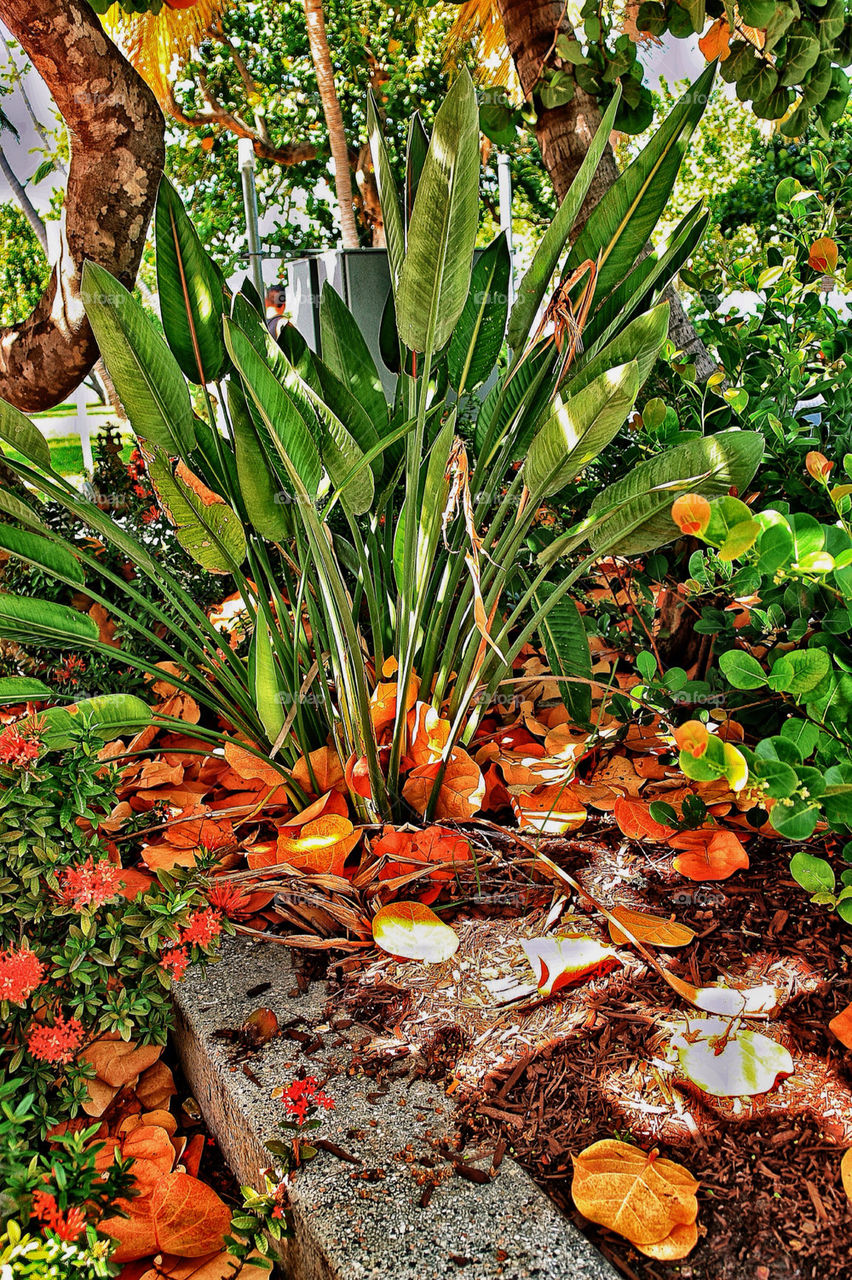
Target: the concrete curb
pixel 361 1222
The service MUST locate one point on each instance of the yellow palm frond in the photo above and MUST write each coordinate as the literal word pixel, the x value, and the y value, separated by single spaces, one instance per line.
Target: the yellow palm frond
pixel 156 43
pixel 478 22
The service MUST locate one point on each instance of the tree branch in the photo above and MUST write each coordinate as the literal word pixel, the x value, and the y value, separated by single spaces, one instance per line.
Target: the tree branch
pixel 117 155
pixel 219 118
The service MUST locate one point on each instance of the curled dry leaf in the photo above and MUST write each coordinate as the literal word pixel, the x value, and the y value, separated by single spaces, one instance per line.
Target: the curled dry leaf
pixel 650 928
pixel 411 930
pixel 737 1065
pixel 680 1241
pixel 634 820
pixel 320 846
pixel 641 1196
pixel 563 962
pixel 551 810
pixel 711 854
pixel 841 1026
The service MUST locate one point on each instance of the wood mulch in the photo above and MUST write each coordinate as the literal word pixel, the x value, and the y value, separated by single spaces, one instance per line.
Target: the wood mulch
pixel 547 1078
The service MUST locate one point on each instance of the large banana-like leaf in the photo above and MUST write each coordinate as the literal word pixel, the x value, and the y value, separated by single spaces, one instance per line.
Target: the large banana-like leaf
pixel 44 553
pixel 346 408
pixel 434 488
pixel 621 222
pixel 109 716
pixel 634 514
pixel 519 398
pixel 577 431
pixel 26 619
pixel 388 196
pixel 567 647
pixel 435 275
pixel 20 512
pixel 478 336
pixel 340 452
pixel 15 689
pixel 259 486
pixel 534 284
pixel 268 692
pixel 191 301
pixel 641 340
pixel 287 425
pixel 146 375
pixel 17 430
pixel 347 355
pixel 207 528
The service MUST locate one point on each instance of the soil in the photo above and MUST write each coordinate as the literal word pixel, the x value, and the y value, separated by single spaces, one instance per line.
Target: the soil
pixel 551 1077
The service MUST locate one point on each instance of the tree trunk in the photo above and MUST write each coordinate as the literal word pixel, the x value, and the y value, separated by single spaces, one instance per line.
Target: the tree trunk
pixel 564 134
pixel 321 55
pixel 117 156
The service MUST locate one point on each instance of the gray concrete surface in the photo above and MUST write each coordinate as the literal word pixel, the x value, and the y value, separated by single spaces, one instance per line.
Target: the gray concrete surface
pixel 365 1221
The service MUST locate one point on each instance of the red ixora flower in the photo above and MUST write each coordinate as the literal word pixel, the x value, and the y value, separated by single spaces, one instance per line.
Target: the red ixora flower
pixel 21 972
pixel 152 514
pixel 204 926
pixel 56 1043
pixel 228 899
pixel 17 749
pixel 175 961
pixel 301 1095
pixel 90 884
pixel 68 1225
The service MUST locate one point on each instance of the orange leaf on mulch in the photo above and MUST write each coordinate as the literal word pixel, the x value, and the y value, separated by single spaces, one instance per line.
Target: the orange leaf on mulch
pixel 712 853
pixel 563 962
pixel 841 1026
pixel 650 928
pixel 462 789
pixel 434 844
pixel 846 1172
pixel 642 1197
pixel 318 846
pixel 411 930
pixel 634 820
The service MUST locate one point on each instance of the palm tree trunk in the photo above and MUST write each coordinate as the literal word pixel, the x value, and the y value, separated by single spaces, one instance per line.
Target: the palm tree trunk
pixel 564 134
pixel 321 55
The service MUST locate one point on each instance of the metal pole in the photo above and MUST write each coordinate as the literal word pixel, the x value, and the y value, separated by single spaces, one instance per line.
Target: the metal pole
pixel 245 156
pixel 504 196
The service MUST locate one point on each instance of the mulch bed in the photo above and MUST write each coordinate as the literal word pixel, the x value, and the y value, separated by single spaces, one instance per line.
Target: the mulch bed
pixel 548 1078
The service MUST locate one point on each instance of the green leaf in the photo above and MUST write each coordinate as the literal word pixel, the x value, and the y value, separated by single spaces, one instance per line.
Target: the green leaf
pixel 794 822
pixel 190 291
pixel 208 529
pixel 110 716
pixel 288 428
pixel 388 196
pixel 742 670
pixel 28 619
pixel 576 432
pixel 346 353
pixel 20 512
pixel 23 689
pixel 17 431
pixel 567 647
pixel 146 375
pixel 623 219
pixel 813 874
pixel 534 284
pixel 478 336
pixel 268 689
pixel 44 553
pixel 435 275
pixel 634 514
pixel 641 340
pixel 260 488
pixel 799 672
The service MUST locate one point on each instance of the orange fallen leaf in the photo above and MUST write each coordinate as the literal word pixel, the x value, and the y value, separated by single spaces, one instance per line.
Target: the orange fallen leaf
pixel 846 1172
pixel 462 788
pixel 247 765
pixel 711 854
pixel 641 1196
pixel 428 734
pixel 650 928
pixel 411 930
pixel 563 962
pixel 327 772
pixel 680 1241
pixel 634 820
pixel 551 810
pixel 841 1026
pixel 321 846
pixel 182 1215
pixel 155 1087
pixel 407 851
pixel 117 1061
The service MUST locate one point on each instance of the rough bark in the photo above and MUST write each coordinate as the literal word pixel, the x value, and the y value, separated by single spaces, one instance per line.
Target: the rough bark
pixel 321 56
pixel 117 155
pixel 564 134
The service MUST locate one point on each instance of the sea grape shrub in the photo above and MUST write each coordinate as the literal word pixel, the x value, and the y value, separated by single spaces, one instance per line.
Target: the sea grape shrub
pixel 80 955
pixel 775 589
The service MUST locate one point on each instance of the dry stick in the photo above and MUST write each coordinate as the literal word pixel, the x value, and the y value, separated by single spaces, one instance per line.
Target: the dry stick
pixel 677 984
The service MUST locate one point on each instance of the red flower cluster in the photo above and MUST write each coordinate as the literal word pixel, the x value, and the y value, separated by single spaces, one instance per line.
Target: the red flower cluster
pixel 204 926
pixel 90 884
pixel 68 1225
pixel 18 750
pixel 303 1094
pixel 70 671
pixel 21 972
pixel 229 900
pixel 57 1043
pixel 151 514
